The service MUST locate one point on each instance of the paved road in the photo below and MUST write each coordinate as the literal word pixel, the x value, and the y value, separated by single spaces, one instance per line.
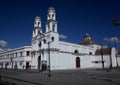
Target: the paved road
pixel 62 77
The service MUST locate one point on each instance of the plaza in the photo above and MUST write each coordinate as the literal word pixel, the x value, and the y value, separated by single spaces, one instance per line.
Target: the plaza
pixel 62 77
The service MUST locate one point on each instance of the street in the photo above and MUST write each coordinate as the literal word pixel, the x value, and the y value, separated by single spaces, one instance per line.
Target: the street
pixel 61 77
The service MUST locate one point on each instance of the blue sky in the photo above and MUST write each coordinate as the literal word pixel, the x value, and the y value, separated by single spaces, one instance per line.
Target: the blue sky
pixel 75 18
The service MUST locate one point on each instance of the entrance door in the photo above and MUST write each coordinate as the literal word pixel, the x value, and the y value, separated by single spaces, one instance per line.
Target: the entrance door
pixel 27 65
pixel 77 62
pixel 39 62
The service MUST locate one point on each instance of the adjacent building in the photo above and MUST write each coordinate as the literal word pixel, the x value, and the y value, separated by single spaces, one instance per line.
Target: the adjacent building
pixel 18 58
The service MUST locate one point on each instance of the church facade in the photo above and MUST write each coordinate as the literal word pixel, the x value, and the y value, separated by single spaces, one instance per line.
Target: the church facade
pixel 47 51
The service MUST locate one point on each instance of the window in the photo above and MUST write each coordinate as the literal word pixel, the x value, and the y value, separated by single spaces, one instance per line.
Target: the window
pixel 52 38
pixel 76 51
pixel 44 41
pixel 54 27
pixel 52 16
pixel 40 44
pixel 38 24
pixel 16 54
pixel 90 53
pixel 20 63
pixel 20 54
pixel 27 53
pixel 96 61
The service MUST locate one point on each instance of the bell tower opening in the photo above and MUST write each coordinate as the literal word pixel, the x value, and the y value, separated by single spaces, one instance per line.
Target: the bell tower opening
pixel 87 36
pixel 37 22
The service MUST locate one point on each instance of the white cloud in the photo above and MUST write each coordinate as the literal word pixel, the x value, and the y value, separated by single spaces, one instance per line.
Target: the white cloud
pixel 3 44
pixel 61 36
pixel 112 39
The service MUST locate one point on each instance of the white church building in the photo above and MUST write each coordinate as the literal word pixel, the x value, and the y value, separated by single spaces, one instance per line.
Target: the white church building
pixel 47 50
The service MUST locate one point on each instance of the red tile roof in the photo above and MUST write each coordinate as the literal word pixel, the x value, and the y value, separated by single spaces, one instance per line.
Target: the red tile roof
pixel 88 42
pixel 104 51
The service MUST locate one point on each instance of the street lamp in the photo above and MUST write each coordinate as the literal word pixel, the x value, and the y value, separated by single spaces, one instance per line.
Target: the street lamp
pixel 49 42
pixel 115 39
pixel 52 39
pixel 102 58
pixel 115 21
pixel 109 40
pixel 110 58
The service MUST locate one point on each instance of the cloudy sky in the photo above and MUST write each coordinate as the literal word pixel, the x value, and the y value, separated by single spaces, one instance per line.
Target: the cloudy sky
pixel 75 18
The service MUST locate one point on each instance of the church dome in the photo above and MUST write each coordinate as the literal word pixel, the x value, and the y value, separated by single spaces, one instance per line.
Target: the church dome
pixel 51 9
pixel 87 40
pixel 37 18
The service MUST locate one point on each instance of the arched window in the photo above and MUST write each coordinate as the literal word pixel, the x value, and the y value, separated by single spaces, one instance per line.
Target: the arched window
pixel 52 16
pixel 39 57
pixel 52 38
pixel 90 53
pixel 53 27
pixel 76 51
pixel 40 44
pixel 44 41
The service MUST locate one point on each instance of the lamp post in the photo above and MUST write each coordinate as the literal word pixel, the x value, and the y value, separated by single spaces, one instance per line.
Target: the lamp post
pixel 102 58
pixel 115 21
pixel 110 58
pixel 49 60
pixel 115 40
pixel 51 39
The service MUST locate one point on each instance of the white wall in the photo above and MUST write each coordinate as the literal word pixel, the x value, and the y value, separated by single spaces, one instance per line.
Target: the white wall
pixel 68 61
pixel 113 57
pixel 86 61
pixel 118 59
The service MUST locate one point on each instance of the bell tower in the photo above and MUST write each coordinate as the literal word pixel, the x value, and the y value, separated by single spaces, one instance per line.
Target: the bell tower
pixel 37 22
pixel 37 26
pixel 35 56
pixel 51 24
pixel 36 33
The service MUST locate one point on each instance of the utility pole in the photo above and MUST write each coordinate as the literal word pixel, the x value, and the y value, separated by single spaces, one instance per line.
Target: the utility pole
pixel 110 58
pixel 115 40
pixel 102 58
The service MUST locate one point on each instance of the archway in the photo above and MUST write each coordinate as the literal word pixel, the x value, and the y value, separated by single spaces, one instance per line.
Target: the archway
pixel 77 62
pixel 39 62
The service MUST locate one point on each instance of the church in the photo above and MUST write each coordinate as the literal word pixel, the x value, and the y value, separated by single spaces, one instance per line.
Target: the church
pixel 48 52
